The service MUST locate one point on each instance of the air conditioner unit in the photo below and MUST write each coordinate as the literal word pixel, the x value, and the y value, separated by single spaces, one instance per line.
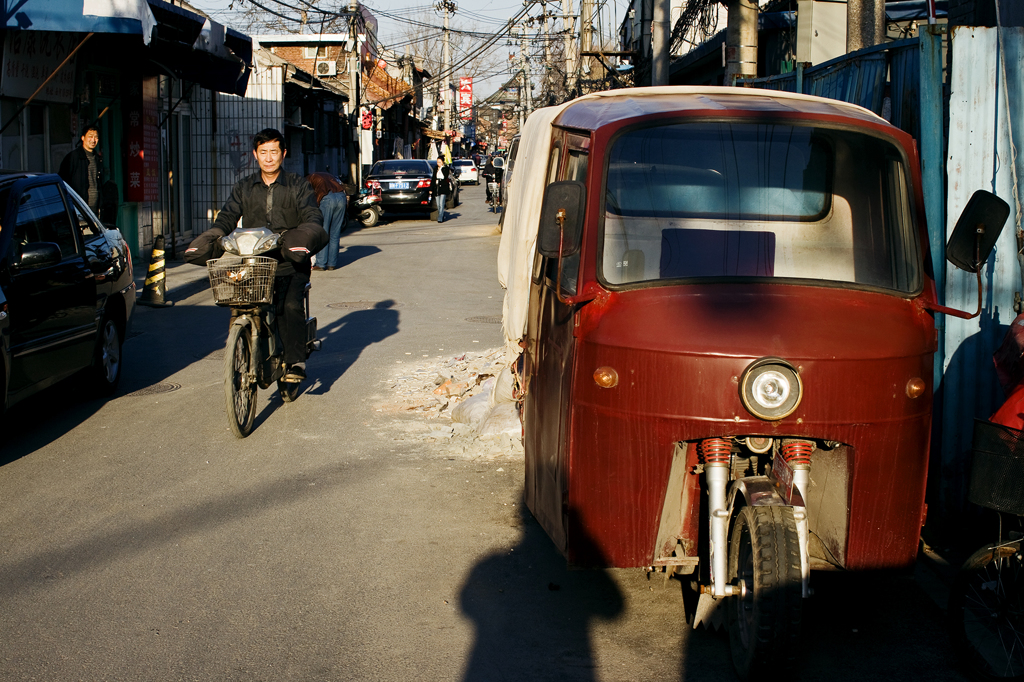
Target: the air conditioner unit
pixel 327 68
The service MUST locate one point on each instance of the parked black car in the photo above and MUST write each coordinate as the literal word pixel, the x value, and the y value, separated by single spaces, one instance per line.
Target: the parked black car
pixel 66 289
pixel 404 185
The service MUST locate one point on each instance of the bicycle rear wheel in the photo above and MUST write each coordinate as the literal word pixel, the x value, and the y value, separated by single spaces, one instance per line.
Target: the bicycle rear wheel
pixel 986 613
pixel 240 381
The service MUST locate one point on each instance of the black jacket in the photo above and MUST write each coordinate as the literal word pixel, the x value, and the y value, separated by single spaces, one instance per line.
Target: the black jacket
pixel 444 186
pixel 293 213
pixel 74 170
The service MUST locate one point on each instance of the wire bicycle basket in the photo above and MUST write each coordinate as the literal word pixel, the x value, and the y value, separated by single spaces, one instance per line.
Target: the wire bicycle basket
pixel 247 280
pixel 997 468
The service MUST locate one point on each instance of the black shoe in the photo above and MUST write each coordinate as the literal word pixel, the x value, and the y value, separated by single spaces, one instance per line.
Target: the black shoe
pixel 295 373
pixel 330 267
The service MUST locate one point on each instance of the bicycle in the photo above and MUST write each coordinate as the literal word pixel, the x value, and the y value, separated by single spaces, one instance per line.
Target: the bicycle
pixel 245 282
pixel 986 604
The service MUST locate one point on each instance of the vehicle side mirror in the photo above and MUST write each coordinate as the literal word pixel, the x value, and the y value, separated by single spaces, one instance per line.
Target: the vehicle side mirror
pixel 977 230
pixel 39 254
pixel 561 219
pixel 972 241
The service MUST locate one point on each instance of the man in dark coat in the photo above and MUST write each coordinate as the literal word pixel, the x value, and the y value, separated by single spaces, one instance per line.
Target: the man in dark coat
pixel 285 203
pixel 82 168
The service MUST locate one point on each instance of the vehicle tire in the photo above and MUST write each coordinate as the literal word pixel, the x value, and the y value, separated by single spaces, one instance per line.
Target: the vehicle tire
pixel 986 613
pixel 369 217
pixel 764 624
pixel 289 390
pixel 106 369
pixel 239 382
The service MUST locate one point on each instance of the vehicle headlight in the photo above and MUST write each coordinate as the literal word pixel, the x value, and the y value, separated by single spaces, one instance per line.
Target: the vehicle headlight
pixel 266 244
pixel 770 389
pixel 229 244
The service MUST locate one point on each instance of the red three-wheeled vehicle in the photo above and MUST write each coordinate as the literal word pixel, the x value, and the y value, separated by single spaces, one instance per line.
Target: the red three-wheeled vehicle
pixel 723 312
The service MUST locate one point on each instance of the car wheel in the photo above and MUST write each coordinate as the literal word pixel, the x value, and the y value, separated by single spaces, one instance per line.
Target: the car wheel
pixel 107 360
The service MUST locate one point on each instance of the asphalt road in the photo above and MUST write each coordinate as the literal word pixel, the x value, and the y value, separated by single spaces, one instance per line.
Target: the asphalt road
pixel 139 540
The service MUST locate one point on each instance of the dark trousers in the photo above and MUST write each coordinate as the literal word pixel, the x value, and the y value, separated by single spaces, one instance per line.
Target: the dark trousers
pixel 289 297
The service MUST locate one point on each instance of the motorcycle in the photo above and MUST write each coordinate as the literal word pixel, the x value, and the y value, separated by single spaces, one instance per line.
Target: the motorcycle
pixel 367 207
pixel 244 281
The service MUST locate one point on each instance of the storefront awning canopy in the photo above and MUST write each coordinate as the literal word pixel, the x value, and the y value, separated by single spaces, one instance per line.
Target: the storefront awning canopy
pixel 83 16
pixel 181 42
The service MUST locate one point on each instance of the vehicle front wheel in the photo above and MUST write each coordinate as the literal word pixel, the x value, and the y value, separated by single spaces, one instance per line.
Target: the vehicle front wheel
pixel 106 367
pixel 764 623
pixel 239 381
pixel 986 613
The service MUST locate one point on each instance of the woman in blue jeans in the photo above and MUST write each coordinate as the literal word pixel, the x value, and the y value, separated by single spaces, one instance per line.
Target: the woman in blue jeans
pixel 442 187
pixel 333 202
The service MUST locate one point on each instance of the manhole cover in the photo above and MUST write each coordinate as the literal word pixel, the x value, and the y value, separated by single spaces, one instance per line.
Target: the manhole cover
pixel 485 319
pixel 363 305
pixel 162 387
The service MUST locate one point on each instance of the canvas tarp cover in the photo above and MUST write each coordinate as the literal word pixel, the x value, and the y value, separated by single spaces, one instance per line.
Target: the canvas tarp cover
pixel 519 234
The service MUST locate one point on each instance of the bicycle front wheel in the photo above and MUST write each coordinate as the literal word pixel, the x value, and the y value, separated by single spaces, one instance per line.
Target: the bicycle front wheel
pixel 240 381
pixel 986 613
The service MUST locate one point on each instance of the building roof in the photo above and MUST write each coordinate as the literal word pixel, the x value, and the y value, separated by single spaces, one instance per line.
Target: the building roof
pixel 599 109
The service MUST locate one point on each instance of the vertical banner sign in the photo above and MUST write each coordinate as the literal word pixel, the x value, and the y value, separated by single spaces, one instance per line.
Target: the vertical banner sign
pixel 466 99
pixel 29 59
pixel 142 182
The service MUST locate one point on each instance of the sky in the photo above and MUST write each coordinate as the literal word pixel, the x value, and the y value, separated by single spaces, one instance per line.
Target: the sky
pixel 394 26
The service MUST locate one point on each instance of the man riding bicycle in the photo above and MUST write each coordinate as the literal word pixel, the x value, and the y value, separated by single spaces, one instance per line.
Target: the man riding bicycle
pixel 493 173
pixel 286 203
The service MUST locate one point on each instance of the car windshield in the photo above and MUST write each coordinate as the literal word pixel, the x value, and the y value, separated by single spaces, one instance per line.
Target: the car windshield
pixel 399 167
pixel 758 200
pixel 462 163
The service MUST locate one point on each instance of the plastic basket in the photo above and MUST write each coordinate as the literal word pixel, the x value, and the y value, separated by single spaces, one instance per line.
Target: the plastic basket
pixel 997 468
pixel 242 281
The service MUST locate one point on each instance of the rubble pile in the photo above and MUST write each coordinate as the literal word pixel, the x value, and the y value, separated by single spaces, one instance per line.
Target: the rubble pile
pixel 450 402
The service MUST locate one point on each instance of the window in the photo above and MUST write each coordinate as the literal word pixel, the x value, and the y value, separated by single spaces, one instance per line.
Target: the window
pixel 758 200
pixel 314 52
pixel 86 224
pixel 42 217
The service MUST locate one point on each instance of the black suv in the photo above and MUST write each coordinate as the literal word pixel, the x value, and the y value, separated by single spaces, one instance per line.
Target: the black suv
pixel 66 288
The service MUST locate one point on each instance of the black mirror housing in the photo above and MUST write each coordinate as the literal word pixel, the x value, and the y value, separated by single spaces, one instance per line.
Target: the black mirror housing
pixel 552 239
pixel 977 230
pixel 39 254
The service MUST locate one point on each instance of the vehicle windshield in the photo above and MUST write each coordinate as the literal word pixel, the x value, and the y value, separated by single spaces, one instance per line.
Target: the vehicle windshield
pixel 757 201
pixel 399 167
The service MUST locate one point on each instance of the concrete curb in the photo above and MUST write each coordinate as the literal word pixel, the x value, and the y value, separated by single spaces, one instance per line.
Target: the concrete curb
pixel 182 279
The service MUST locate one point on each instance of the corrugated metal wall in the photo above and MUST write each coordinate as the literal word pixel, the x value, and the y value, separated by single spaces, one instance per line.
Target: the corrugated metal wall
pixel 860 78
pixel 979 158
pixel 222 151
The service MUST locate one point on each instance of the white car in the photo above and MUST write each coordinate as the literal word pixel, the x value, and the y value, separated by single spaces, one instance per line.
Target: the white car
pixel 467 170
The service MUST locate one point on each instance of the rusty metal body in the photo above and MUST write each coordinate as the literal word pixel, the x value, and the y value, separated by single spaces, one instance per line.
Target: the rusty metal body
pixel 612 473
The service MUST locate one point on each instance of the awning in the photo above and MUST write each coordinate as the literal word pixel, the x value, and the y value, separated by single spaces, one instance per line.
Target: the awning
pixel 84 16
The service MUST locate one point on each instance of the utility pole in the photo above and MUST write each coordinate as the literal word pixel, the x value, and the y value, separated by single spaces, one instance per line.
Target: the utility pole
pixel 865 24
pixel 741 41
pixel 525 65
pixel 661 38
pixel 586 34
pixel 546 81
pixel 448 7
pixel 356 159
pixel 569 24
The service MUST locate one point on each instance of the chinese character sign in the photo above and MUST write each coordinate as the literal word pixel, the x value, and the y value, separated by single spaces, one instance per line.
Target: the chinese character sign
pixel 142 142
pixel 29 59
pixel 466 99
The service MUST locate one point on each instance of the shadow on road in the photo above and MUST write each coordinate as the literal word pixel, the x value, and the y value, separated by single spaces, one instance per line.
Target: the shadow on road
pixel 345 339
pixel 51 414
pixel 532 615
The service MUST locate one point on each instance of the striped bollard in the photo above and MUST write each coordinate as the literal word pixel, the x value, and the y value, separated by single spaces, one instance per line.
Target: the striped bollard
pixel 156 281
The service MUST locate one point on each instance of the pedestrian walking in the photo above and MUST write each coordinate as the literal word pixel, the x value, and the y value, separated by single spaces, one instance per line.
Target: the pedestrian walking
pixel 442 187
pixel 333 202
pixel 82 168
